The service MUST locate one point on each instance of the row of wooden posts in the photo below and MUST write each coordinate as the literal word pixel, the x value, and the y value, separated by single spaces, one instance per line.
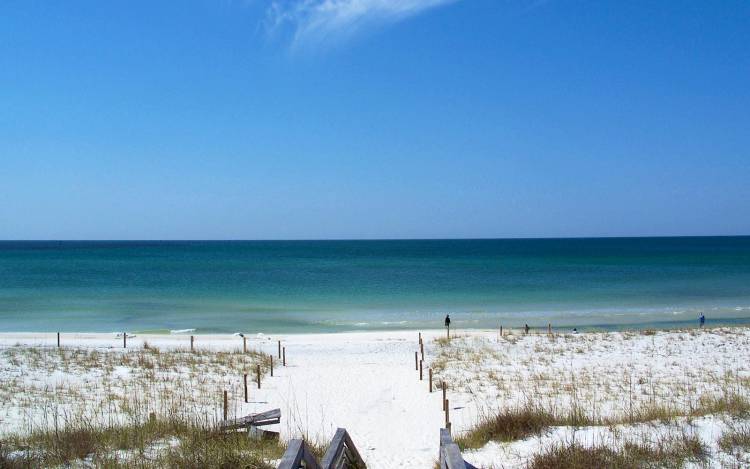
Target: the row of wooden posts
pixel 282 350
pixel 244 341
pixel 282 357
pixel 419 366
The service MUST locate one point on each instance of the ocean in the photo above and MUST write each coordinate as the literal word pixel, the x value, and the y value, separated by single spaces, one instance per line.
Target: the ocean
pixel 331 286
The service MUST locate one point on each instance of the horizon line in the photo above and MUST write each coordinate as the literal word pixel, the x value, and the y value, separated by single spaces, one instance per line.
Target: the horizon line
pixel 242 240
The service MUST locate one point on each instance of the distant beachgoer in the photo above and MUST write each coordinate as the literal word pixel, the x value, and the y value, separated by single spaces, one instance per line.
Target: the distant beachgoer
pixel 575 330
pixel 447 320
pixel 526 328
pixel 702 320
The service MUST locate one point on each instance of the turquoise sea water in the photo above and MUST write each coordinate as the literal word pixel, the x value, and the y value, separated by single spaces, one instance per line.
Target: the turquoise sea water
pixel 313 286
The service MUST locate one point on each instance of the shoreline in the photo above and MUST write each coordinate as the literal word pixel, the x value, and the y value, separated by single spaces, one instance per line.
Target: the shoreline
pixel 534 327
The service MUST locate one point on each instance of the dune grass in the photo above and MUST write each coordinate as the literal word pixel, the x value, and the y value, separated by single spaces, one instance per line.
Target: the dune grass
pixel 736 440
pixel 522 422
pixel 509 425
pixel 525 384
pixel 171 443
pixel 140 407
pixel 666 453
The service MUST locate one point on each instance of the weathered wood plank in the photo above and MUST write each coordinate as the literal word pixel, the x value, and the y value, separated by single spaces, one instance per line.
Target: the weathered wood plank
pixel 257 420
pixel 450 453
pixel 332 458
pixel 452 457
pixel 342 450
pixel 357 458
pixel 445 437
pixel 295 454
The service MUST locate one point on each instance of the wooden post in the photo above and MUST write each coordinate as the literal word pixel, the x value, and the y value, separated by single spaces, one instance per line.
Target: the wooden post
pixel 501 331
pixel 549 328
pixel 420 338
pixel 257 372
pixel 279 350
pixel 226 406
pixel 283 356
pixel 124 340
pixel 421 349
pixel 416 360
pixel 430 372
pixel 244 380
pixel 192 338
pixel 420 370
pixel 244 345
pixel 270 357
pixel 58 340
pixel 444 399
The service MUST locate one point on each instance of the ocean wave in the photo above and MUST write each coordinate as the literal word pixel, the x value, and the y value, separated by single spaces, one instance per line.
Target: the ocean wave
pixel 181 331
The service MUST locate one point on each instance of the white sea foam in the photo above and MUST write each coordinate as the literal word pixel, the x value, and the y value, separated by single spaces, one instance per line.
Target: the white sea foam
pixel 181 331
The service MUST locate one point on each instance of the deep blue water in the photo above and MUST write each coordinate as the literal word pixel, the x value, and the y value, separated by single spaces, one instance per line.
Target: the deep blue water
pixel 306 286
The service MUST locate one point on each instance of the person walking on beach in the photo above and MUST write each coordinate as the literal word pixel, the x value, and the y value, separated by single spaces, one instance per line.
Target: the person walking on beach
pixel 448 324
pixel 702 320
pixel 526 329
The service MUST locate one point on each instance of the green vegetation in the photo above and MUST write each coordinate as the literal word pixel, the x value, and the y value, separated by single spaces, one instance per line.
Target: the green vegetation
pixel 736 439
pixel 171 443
pixel 510 425
pixel 668 453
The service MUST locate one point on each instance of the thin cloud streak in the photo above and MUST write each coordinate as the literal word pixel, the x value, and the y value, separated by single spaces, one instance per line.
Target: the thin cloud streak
pixel 323 22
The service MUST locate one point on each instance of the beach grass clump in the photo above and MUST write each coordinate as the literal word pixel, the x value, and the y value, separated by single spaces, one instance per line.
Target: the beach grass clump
pixel 219 450
pixel 673 451
pixel 169 443
pixel 508 425
pixel 736 439
pixel 730 403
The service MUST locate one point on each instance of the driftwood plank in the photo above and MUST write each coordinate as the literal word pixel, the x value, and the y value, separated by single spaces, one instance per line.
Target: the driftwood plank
pixel 256 420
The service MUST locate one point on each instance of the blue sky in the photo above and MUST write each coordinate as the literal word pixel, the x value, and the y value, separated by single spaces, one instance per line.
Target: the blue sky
pixel 263 119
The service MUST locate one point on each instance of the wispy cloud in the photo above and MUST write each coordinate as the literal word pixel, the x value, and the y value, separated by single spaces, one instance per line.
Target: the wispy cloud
pixel 324 22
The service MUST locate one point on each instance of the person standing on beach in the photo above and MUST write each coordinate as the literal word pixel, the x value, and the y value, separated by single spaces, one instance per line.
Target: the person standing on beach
pixel 448 323
pixel 702 320
pixel 526 328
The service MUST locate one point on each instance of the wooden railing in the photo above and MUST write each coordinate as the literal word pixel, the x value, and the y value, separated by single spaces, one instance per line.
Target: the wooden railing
pixel 341 454
pixel 450 453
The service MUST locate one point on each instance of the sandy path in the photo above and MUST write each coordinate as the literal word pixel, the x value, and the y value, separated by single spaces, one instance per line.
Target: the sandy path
pixel 368 386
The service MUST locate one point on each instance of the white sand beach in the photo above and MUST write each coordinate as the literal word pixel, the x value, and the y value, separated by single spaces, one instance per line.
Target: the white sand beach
pixel 367 383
